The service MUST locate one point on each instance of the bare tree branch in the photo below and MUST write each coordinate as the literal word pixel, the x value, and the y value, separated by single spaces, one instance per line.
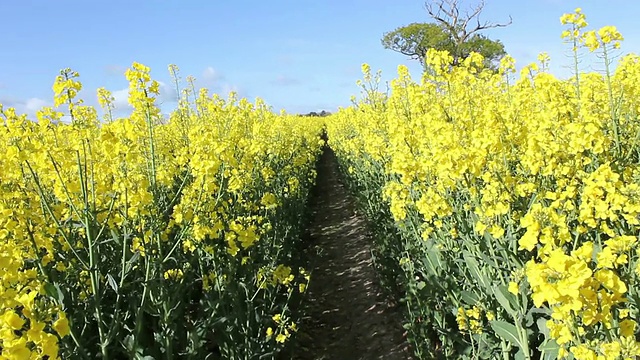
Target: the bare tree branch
pixel 475 14
pixel 447 14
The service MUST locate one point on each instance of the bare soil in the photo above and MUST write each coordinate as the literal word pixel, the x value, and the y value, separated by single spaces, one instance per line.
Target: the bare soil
pixel 347 315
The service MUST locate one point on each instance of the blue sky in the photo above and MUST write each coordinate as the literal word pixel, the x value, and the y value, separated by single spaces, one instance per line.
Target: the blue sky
pixel 298 55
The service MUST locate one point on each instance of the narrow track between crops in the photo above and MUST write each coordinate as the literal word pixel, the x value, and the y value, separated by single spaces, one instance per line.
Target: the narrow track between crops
pixel 347 315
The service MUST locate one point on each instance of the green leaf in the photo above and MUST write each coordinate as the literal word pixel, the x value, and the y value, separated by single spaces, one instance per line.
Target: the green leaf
pixel 112 283
pixel 54 291
pixel 474 269
pixel 506 299
pixel 268 355
pixel 421 285
pixel 506 331
pixel 130 263
pixel 542 327
pixel 528 320
pixel 432 260
pixel 115 237
pixel 549 350
pixel 493 262
pixel 469 298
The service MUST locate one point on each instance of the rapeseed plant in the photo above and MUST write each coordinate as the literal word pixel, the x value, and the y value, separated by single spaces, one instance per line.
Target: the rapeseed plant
pixel 145 236
pixel 515 197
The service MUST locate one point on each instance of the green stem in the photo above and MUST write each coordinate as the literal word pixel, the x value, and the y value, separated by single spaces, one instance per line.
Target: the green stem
pixel 55 220
pixel 524 340
pixel 94 271
pixel 152 148
pixel 143 301
pixel 576 69
pixel 614 118
pixel 505 350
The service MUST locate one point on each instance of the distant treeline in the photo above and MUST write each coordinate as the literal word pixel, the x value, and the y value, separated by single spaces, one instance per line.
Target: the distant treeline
pixel 316 114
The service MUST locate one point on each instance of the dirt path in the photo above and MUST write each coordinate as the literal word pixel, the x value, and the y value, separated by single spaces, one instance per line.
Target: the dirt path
pixel 347 315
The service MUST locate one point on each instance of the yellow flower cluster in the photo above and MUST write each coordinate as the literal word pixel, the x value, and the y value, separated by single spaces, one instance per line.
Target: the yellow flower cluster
pixel 205 182
pixel 534 175
pixel 284 329
pixel 471 320
pixel 173 274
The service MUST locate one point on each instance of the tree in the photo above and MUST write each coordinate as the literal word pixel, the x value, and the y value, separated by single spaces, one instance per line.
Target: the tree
pixel 414 39
pixel 456 32
pixel 323 113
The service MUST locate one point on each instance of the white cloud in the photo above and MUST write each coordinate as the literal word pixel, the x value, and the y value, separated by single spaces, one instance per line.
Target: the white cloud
pixel 121 97
pixel 32 105
pixel 211 79
pixel 167 93
pixel 216 82
pixel 211 74
pixel 29 106
pixel 225 89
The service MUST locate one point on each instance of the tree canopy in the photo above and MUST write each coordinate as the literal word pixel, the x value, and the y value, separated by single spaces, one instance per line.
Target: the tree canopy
pixel 456 32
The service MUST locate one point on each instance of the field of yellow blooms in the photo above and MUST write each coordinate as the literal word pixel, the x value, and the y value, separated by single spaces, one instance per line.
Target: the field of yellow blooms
pixel 506 211
pixel 510 205
pixel 149 236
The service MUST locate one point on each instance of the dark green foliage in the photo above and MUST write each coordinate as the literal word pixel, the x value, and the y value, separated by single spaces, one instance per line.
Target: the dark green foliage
pixel 415 39
pixel 322 113
pixel 452 31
